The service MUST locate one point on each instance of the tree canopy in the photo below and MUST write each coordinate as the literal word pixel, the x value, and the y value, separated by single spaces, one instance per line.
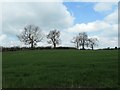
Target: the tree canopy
pixel 54 37
pixel 31 35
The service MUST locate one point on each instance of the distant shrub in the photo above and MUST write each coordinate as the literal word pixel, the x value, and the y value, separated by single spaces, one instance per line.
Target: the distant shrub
pixel 116 48
pixel 36 48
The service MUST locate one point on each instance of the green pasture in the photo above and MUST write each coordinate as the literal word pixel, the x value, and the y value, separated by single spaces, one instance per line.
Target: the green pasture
pixel 60 68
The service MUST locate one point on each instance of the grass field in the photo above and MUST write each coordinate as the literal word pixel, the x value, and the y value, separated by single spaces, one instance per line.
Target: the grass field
pixel 60 68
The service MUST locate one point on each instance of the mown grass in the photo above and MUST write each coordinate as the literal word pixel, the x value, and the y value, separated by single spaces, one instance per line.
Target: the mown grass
pixel 60 68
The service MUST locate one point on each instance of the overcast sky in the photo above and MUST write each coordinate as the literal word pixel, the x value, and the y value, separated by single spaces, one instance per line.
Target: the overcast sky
pixel 97 19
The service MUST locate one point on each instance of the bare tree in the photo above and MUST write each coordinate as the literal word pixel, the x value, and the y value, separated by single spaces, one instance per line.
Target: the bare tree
pixel 31 35
pixel 93 42
pixel 54 37
pixel 76 41
pixel 83 39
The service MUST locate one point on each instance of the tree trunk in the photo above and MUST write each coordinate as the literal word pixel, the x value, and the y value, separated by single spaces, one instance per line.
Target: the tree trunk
pixel 92 47
pixel 77 45
pixel 32 42
pixel 54 45
pixel 32 45
pixel 83 45
pixel 83 48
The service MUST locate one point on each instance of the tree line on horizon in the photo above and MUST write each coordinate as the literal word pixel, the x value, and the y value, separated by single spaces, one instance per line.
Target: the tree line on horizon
pixel 32 34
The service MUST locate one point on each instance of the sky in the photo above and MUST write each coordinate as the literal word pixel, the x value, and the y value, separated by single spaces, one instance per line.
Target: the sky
pixel 97 19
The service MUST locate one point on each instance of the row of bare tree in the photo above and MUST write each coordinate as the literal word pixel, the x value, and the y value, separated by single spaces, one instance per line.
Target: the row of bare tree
pixel 32 34
pixel 82 40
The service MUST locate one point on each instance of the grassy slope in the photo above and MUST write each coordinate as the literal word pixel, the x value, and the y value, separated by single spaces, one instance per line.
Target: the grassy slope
pixel 60 68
